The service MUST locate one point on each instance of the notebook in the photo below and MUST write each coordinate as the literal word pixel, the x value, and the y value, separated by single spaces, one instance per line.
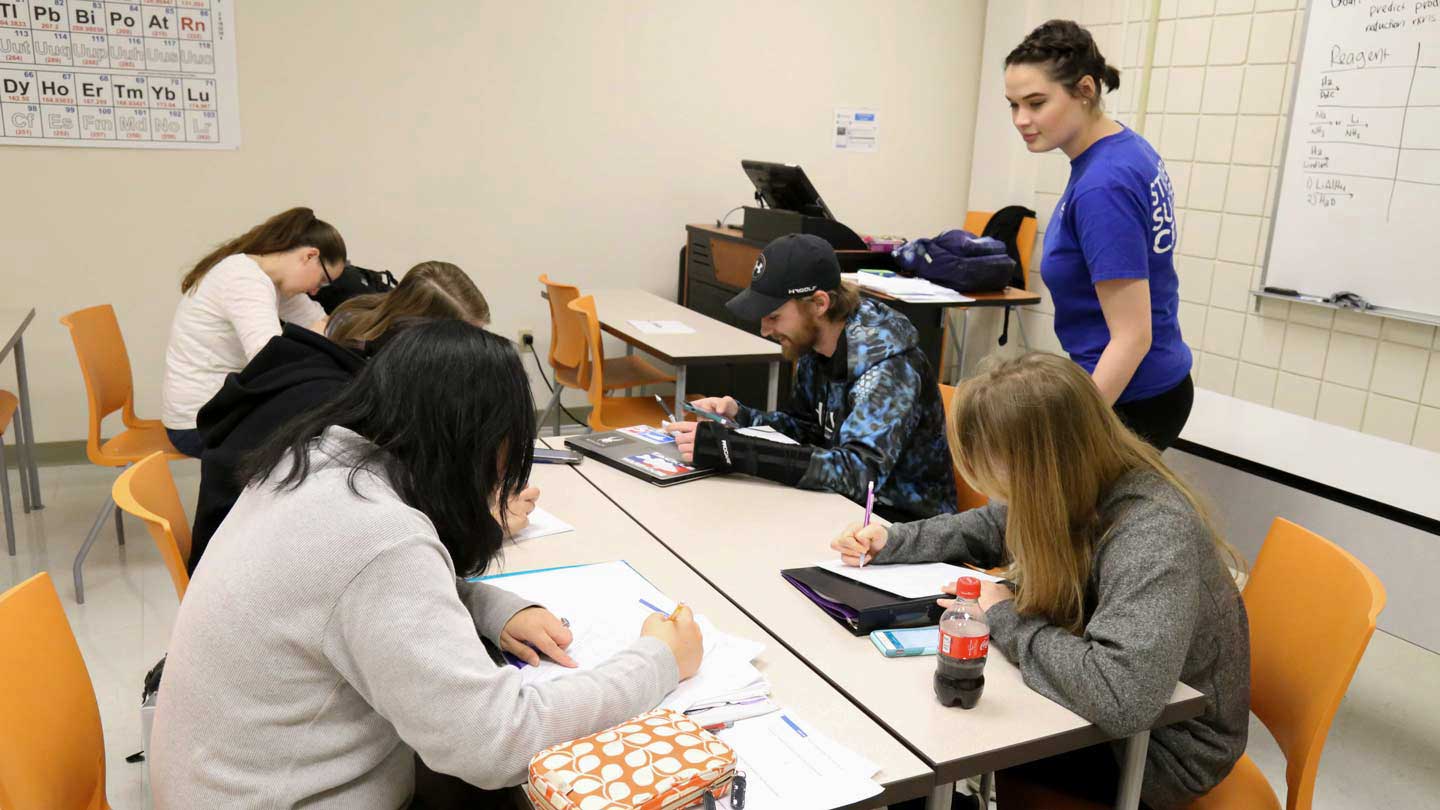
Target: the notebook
pixel 645 452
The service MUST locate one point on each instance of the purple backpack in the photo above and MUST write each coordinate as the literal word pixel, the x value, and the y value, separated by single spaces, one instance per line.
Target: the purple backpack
pixel 959 260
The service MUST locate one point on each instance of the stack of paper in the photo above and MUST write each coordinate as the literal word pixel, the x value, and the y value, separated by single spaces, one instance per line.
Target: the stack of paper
pixel 605 604
pixel 662 327
pixel 912 581
pixel 767 433
pixel 791 765
pixel 912 290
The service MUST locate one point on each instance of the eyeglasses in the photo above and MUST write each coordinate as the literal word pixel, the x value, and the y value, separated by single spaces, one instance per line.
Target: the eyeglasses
pixel 325 271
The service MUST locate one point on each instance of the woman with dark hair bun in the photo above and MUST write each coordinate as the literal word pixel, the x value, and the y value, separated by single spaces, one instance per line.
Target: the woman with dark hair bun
pixel 1109 254
pixel 337 635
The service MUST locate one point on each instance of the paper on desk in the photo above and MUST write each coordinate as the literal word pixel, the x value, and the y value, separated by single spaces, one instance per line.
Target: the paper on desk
pixel 767 433
pixel 911 580
pixel 542 524
pixel 606 603
pixel 791 765
pixel 662 328
pixel 915 290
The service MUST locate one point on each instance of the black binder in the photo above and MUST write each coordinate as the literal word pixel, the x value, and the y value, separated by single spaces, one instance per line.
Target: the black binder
pixel 858 607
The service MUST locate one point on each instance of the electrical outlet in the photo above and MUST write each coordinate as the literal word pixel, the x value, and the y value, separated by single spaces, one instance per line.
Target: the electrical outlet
pixel 527 337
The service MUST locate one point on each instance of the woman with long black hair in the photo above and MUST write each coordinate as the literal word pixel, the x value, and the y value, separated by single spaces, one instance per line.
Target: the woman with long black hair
pixel 336 635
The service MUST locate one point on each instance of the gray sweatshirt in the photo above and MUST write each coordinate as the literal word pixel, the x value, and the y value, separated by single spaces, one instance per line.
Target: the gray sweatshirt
pixel 325 639
pixel 1160 608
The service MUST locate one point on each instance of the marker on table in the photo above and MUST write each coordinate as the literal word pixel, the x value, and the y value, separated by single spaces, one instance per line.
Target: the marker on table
pixel 869 508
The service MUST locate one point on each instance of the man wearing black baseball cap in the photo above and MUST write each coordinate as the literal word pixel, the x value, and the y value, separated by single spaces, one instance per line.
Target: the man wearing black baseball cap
pixel 866 407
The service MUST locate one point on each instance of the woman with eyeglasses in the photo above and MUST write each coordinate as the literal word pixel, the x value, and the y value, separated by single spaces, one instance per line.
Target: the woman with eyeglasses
pixel 234 300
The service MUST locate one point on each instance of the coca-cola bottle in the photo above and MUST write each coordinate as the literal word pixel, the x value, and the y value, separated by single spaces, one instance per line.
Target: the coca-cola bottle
pixel 964 643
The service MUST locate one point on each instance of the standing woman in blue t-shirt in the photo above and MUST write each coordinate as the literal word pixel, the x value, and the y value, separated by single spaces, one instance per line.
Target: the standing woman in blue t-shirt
pixel 1109 249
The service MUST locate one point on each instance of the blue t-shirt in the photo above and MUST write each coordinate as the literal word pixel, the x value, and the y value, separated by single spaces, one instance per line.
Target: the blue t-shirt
pixel 1116 220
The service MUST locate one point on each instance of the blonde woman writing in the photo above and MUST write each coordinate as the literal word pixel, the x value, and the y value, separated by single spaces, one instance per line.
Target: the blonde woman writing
pixel 1122 584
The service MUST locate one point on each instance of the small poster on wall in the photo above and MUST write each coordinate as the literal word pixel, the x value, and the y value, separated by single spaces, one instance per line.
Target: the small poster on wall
pixel 153 75
pixel 857 129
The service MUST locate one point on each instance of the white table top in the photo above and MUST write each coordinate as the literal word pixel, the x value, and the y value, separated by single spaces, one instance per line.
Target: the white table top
pixel 712 341
pixel 1391 473
pixel 739 532
pixel 604 533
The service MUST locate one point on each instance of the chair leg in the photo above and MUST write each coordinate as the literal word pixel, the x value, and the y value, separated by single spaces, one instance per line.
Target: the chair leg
pixel 987 787
pixel 1020 322
pixel 100 518
pixel 120 525
pixel 549 409
pixel 5 499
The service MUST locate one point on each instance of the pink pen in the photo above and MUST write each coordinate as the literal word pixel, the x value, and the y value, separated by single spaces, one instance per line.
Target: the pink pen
pixel 869 507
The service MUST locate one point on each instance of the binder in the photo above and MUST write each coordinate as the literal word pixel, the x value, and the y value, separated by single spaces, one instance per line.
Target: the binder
pixel 861 608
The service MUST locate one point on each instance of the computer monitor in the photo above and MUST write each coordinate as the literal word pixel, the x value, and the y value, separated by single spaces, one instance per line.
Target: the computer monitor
pixel 785 186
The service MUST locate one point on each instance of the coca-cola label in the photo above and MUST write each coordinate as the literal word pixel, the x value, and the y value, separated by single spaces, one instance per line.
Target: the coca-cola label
pixel 964 648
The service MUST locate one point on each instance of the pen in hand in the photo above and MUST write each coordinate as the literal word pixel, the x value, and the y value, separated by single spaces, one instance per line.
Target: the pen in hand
pixel 869 508
pixel 668 414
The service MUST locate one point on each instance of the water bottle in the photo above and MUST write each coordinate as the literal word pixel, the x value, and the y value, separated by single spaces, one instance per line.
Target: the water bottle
pixel 964 643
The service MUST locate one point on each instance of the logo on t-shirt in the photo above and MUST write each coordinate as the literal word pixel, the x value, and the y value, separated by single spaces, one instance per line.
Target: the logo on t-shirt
pixel 1162 211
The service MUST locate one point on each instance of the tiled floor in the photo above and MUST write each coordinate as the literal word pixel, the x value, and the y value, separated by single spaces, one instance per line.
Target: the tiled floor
pixel 1382 749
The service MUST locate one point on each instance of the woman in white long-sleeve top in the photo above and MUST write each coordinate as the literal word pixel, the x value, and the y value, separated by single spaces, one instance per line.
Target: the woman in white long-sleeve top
pixel 331 635
pixel 1123 588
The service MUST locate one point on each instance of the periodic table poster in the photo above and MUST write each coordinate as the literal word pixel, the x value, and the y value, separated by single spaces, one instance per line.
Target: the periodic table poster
pixel 159 74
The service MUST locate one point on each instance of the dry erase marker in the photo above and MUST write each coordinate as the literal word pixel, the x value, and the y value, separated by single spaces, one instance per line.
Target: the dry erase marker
pixel 720 726
pixel 869 507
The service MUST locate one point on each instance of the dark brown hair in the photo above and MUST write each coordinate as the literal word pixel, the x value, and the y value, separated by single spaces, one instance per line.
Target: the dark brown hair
pixel 1068 53
pixel 429 291
pixel 288 230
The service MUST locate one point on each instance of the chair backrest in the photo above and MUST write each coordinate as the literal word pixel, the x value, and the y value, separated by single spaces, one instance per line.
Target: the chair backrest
pixel 567 328
pixel 1312 609
pixel 593 363
pixel 147 491
pixel 105 365
pixel 975 222
pixel 966 497
pixel 52 749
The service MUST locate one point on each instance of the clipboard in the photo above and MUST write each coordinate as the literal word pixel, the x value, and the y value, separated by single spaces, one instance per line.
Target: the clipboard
pixel 860 608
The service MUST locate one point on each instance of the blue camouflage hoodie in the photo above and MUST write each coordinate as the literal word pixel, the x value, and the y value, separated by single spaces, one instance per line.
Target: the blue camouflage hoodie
pixel 870 412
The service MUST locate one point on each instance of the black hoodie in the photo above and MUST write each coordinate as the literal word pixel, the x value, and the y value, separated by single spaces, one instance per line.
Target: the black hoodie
pixel 294 372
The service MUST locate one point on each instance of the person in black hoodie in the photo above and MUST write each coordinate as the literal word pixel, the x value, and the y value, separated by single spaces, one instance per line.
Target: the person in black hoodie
pixel 300 370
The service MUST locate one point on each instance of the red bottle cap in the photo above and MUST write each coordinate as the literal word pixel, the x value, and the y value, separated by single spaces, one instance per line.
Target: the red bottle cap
pixel 967 588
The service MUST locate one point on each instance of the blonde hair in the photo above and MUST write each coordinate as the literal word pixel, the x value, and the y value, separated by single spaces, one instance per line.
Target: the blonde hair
pixel 1034 431
pixel 430 290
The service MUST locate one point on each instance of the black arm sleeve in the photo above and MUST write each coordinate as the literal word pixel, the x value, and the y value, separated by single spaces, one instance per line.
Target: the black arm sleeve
pixel 717 447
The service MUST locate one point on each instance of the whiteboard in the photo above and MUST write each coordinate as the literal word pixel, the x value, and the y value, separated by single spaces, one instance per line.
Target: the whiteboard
pixel 1360 180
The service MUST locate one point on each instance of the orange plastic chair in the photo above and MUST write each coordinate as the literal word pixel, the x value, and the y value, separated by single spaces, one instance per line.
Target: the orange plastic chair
pixel 147 491
pixel 105 365
pixel 568 354
pixel 8 406
pixel 1312 609
pixel 52 748
pixel 609 413
pixel 966 497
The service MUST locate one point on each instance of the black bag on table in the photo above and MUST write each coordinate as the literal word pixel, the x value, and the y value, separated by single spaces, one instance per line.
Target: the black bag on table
pixel 353 281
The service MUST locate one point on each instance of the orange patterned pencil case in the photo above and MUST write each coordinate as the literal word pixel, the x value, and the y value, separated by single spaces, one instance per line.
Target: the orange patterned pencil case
pixel 660 760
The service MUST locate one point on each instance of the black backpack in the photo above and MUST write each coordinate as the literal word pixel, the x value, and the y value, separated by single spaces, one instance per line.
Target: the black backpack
pixel 355 280
pixel 1005 226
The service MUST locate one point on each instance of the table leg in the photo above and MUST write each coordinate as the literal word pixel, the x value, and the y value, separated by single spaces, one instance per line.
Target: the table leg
pixel 772 390
pixel 940 796
pixel 630 350
pixel 679 410
pixel 24 383
pixel 964 334
pixel 1132 770
pixel 22 460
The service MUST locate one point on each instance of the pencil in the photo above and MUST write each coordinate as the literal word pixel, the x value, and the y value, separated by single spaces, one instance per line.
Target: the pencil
pixel 675 612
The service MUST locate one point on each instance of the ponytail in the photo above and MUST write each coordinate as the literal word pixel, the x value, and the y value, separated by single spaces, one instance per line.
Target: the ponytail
pixel 1069 54
pixel 288 230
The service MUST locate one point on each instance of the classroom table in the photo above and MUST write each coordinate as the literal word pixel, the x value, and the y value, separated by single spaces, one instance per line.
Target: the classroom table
pixel 604 533
pixel 712 342
pixel 738 532
pixel 14 320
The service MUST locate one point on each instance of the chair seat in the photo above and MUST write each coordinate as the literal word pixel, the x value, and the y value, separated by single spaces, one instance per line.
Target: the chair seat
pixel 620 372
pixel 1246 788
pixel 8 404
pixel 133 444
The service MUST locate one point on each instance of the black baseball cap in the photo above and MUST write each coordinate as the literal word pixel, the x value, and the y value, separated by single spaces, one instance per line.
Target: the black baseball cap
pixel 793 266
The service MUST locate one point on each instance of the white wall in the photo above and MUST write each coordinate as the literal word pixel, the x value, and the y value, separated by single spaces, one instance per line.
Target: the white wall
pixel 1217 110
pixel 569 138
